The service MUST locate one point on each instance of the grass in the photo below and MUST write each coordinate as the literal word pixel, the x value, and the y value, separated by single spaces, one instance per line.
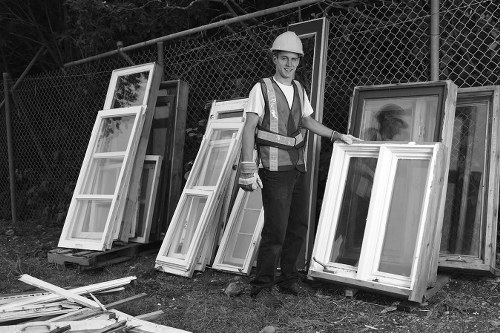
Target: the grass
pixel 199 304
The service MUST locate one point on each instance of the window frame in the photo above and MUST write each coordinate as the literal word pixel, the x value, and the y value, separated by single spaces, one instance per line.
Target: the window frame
pixel 117 198
pixel 365 276
pixel 233 224
pixel 149 67
pixel 186 267
pixel 486 260
pixel 156 161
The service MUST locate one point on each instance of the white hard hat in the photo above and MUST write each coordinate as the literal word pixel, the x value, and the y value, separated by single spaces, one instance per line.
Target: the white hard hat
pixel 288 41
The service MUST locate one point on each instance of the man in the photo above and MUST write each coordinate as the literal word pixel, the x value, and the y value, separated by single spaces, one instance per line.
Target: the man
pixel 278 114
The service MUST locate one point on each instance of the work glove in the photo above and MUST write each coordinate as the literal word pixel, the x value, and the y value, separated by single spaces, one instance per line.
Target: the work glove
pixel 249 177
pixel 346 138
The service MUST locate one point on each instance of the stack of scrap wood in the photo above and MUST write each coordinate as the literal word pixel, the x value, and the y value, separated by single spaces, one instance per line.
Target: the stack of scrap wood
pixel 60 310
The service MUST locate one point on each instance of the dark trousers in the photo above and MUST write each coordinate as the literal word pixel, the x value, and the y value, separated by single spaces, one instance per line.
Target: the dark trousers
pixel 285 227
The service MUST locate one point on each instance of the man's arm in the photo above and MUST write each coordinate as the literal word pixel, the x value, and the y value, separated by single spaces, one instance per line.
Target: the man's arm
pixel 318 128
pixel 248 136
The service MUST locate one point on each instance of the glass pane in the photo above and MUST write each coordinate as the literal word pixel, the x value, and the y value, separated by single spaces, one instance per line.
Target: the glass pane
pixel 354 210
pixel 404 216
pixel 186 225
pixel 145 196
pixel 399 119
pixel 102 176
pixel 209 173
pixel 114 134
pixel 462 223
pixel 240 240
pixel 130 90
pixel 90 219
pixel 231 114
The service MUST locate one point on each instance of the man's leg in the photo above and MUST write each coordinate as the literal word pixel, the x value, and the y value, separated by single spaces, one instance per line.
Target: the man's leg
pixel 276 198
pixel 295 234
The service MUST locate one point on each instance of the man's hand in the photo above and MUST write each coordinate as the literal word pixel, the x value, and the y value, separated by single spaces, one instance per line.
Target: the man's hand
pixel 349 139
pixel 346 138
pixel 249 178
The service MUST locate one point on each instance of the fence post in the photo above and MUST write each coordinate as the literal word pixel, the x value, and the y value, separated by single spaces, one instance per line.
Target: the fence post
pixel 434 40
pixel 8 125
pixel 161 60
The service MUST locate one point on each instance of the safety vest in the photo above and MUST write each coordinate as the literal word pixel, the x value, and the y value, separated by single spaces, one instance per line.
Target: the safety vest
pixel 280 139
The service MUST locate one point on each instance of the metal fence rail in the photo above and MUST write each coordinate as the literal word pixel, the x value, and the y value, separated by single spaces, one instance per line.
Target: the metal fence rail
pixel 372 44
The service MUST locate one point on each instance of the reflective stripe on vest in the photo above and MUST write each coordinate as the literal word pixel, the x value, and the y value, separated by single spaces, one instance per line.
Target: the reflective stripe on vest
pixel 280 141
pixel 273 120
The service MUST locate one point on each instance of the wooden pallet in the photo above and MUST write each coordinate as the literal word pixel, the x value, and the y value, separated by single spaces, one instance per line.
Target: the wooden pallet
pixel 86 259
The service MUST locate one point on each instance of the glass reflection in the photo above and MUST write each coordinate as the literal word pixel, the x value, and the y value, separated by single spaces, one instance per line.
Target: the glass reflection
pixel 239 242
pixel 114 134
pixel 91 218
pixel 463 224
pixel 102 177
pixel 188 221
pixel 399 119
pixel 130 90
pixel 354 210
pixel 404 217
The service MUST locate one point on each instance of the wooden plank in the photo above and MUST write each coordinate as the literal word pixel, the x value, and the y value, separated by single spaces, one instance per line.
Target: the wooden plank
pixel 150 316
pixel 81 290
pixel 145 326
pixel 58 290
pixel 125 301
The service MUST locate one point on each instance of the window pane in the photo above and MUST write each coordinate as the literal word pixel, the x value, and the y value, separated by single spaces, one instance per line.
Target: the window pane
pixel 147 178
pixel 90 218
pixel 240 240
pixel 130 90
pixel 399 119
pixel 211 170
pixel 462 224
pixel 354 210
pixel 114 134
pixel 404 216
pixel 102 176
pixel 186 225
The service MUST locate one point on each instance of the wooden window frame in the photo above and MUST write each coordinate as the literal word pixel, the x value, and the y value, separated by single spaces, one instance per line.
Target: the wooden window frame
pixel 186 267
pixel 490 186
pixel 365 275
pixel 156 161
pixel 176 264
pixel 118 197
pixel 233 225
pixel 149 67
pixel 445 116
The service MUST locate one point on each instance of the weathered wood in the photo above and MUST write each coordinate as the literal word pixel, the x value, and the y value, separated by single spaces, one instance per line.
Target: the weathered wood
pixel 79 291
pixel 58 290
pixel 151 315
pixel 125 301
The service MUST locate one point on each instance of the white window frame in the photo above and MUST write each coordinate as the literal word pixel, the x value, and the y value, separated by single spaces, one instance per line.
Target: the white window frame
pixel 221 108
pixel 187 266
pixel 149 67
pixel 116 199
pixel 233 226
pixel 365 275
pixel 179 265
pixel 150 200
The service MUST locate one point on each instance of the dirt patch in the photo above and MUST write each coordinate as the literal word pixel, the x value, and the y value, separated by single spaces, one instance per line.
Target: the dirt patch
pixel 465 304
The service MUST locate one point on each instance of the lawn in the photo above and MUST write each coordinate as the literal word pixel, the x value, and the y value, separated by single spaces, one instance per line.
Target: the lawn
pixel 466 303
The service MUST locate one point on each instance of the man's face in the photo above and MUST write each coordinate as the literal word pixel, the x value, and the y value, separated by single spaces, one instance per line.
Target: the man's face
pixel 286 64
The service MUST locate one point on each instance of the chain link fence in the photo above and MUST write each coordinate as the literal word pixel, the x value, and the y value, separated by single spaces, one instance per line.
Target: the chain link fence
pixel 368 44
